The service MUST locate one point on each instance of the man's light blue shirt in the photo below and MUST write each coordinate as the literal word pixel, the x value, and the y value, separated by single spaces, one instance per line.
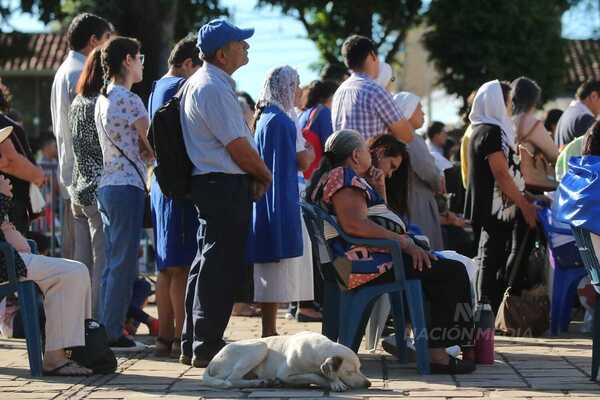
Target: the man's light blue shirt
pixel 211 118
pixel 61 96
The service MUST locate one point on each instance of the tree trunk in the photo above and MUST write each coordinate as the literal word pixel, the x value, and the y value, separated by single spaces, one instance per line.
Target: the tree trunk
pixel 140 21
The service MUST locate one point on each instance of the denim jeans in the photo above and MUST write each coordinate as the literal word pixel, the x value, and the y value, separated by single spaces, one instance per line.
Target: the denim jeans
pixel 122 210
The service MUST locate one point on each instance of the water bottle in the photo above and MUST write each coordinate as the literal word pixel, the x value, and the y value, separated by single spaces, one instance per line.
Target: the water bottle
pixel 484 332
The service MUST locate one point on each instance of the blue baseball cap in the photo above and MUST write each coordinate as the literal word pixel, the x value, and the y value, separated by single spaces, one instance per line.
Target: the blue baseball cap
pixel 217 33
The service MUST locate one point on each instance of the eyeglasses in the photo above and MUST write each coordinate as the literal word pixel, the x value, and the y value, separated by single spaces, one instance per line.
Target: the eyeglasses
pixel 142 59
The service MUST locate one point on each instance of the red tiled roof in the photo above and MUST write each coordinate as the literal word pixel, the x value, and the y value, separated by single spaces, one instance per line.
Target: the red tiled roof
pixel 44 52
pixel 583 61
pixel 38 52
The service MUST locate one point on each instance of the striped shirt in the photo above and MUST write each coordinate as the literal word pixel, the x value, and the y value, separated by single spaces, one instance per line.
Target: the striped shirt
pixel 361 104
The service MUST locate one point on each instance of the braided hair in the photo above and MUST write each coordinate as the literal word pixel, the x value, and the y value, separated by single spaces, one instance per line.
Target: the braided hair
pixel 113 54
pixel 258 110
pixel 338 147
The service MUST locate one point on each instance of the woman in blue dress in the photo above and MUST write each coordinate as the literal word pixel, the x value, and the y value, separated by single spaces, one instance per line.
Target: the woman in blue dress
pixel 281 248
pixel 174 220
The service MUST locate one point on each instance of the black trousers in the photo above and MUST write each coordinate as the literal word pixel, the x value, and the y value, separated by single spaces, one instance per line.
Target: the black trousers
pixel 448 293
pixel 498 247
pixel 220 274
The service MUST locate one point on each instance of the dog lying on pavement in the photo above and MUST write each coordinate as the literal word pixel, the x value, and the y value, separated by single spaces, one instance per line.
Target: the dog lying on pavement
pixel 302 359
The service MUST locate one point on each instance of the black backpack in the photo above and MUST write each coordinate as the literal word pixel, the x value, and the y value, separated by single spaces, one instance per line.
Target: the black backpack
pixel 96 354
pixel 173 169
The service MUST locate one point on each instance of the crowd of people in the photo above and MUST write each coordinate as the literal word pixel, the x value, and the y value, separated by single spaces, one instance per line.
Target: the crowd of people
pixel 239 243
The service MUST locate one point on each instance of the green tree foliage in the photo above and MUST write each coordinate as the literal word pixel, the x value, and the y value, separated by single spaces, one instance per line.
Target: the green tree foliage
pixel 328 23
pixel 474 41
pixel 158 24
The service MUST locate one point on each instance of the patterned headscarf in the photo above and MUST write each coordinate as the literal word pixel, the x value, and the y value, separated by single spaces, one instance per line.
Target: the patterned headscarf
pixel 279 89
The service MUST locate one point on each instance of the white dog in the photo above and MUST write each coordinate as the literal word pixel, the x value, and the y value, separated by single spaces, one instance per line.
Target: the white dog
pixel 299 360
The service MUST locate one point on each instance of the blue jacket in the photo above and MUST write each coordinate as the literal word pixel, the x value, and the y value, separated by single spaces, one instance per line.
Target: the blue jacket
pixel 579 194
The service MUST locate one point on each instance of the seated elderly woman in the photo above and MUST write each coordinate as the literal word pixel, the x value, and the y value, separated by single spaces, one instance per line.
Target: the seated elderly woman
pixel 65 285
pixel 350 188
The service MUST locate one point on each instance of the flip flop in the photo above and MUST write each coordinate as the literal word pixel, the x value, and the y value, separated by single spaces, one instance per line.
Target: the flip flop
pixel 69 364
pixel 247 311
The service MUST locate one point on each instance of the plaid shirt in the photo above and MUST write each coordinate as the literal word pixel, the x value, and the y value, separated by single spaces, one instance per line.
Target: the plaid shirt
pixel 361 104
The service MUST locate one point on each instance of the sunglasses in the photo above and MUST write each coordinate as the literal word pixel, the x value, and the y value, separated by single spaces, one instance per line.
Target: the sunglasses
pixel 141 59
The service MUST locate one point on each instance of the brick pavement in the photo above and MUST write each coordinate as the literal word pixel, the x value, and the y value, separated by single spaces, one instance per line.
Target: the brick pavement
pixel 535 369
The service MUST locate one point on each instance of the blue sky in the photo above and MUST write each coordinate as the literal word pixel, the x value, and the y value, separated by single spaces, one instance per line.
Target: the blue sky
pixel 282 40
pixel 278 40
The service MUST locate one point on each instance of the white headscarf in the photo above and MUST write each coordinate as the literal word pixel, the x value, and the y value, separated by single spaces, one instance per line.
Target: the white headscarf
pixel 385 75
pixel 489 108
pixel 407 102
pixel 279 89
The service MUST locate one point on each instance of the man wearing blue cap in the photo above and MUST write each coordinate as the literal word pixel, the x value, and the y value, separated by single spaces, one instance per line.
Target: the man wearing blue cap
pixel 227 175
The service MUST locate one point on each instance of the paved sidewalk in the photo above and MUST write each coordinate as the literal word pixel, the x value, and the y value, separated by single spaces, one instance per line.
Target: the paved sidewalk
pixel 524 369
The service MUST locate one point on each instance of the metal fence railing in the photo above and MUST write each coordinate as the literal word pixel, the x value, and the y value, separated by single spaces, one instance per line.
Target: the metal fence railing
pixel 49 221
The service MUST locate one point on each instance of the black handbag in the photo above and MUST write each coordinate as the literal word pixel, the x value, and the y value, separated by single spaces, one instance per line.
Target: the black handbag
pixel 524 312
pixel 96 354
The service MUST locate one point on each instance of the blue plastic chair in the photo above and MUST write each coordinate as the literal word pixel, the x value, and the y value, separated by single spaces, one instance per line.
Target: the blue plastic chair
pixel 586 249
pixel 355 305
pixel 568 271
pixel 33 246
pixel 27 292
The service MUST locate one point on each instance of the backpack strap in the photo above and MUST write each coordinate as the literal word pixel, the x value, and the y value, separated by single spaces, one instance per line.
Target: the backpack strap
pixel 313 115
pixel 127 158
pixel 529 132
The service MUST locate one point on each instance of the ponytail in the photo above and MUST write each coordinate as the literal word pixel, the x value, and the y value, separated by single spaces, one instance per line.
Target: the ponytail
pixel 325 166
pixel 113 54
pixel 260 107
pixel 338 147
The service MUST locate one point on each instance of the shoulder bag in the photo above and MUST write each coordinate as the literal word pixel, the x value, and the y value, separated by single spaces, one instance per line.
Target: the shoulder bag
pixel 147 205
pixel 537 172
pixel 523 312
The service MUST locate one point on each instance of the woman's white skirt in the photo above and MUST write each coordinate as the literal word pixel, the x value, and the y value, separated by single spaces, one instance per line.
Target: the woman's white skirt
pixel 288 280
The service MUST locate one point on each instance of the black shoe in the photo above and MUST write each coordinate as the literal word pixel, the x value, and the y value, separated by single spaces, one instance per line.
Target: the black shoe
pixel 124 343
pixel 185 360
pixel 454 367
pixel 306 318
pixel 205 354
pixel 391 348
pixel 198 362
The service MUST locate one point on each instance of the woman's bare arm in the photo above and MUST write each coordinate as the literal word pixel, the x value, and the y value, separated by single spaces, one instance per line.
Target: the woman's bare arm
pixel 19 166
pixel 351 212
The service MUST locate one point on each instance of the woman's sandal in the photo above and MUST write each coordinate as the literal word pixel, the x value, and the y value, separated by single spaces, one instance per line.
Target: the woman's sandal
pixel 175 348
pixel 454 367
pixel 162 347
pixel 61 371
pixel 245 310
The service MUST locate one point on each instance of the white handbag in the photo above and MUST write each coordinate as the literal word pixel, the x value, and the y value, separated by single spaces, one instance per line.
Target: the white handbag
pixel 37 199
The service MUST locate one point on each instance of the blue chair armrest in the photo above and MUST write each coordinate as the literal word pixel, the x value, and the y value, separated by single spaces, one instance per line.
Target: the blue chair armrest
pixel 33 246
pixel 392 245
pixel 545 217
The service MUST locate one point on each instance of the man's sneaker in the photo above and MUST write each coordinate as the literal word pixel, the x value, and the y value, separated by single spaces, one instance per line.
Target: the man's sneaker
pixel 125 344
pixel 185 360
pixel 198 362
